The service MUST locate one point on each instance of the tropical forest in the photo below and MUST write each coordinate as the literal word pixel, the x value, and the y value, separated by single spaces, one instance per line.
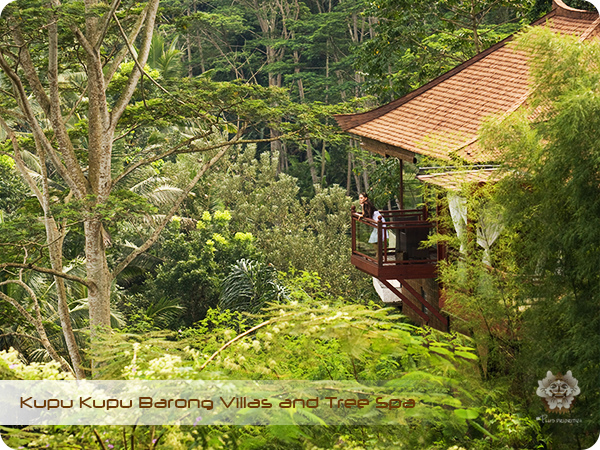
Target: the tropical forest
pixel 198 191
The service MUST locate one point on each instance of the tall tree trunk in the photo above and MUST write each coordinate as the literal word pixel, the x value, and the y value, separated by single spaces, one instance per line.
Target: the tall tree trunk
pixel 55 239
pixel 200 50
pixel 100 150
pixel 311 162
pixel 356 177
pixel 327 75
pixel 98 273
pixel 101 130
pixel 275 144
pixel 349 176
pixel 365 174
pixel 188 45
pixel 274 80
pixel 283 159
pixel 309 149
pixel 64 314
pixel 323 161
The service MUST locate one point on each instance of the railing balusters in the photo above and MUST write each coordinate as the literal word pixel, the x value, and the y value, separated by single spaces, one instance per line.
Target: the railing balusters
pixel 405 225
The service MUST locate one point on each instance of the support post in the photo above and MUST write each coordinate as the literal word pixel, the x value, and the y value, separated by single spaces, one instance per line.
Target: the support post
pixel 379 242
pixel 353 221
pixel 420 298
pixel 405 300
pixel 401 189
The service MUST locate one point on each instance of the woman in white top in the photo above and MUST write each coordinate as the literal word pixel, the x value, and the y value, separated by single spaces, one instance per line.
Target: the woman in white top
pixel 369 210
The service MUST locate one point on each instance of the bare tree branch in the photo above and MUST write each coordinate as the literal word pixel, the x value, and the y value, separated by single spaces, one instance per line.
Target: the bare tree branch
pixel 224 55
pixel 29 69
pixel 132 82
pixel 114 66
pixel 16 115
pixel 99 439
pixel 76 183
pixel 106 23
pixel 77 103
pixel 126 133
pixel 55 113
pixel 37 322
pixel 240 336
pixel 22 310
pixel 87 46
pixel 232 341
pixel 140 68
pixel 154 237
pixel 28 336
pixel 56 273
pixel 180 150
pixel 131 167
pixel 19 161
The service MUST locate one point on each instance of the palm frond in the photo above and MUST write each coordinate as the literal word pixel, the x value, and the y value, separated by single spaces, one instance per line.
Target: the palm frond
pixel 164 195
pixel 147 185
pixel 164 312
pixel 31 161
pixel 157 47
pixel 250 286
pixel 157 190
pixel 81 312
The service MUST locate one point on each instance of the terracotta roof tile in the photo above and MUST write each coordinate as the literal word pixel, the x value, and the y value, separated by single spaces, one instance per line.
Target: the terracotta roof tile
pixel 443 117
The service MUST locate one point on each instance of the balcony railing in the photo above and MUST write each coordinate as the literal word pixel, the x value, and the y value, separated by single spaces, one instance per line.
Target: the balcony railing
pixel 394 248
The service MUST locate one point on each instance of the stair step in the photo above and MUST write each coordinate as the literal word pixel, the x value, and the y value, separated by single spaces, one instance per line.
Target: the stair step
pixel 385 294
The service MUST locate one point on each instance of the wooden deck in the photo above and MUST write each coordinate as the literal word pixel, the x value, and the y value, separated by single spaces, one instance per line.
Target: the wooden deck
pixel 397 251
pixel 393 270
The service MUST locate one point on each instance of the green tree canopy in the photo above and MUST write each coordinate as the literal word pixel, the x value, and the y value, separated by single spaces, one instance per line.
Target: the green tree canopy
pixel 534 305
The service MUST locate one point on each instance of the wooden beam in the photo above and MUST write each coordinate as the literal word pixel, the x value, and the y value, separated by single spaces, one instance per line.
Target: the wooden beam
pixel 401 193
pixel 405 300
pixel 420 298
pixel 384 149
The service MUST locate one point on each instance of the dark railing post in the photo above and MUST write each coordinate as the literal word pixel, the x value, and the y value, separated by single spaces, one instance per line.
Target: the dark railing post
pixel 441 230
pixel 379 241
pixel 353 220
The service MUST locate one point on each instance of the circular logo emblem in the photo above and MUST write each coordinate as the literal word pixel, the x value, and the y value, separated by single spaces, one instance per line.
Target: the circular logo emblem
pixel 558 391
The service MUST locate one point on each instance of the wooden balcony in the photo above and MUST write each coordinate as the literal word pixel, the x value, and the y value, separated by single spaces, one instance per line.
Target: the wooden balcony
pixel 397 252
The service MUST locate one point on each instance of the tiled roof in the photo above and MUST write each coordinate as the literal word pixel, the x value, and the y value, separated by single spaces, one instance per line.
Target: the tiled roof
pixel 454 180
pixel 443 117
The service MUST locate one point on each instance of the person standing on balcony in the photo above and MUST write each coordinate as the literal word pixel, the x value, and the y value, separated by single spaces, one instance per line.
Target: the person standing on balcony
pixel 369 210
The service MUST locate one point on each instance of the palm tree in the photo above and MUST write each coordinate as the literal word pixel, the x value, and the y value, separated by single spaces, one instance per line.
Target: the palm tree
pixel 166 61
pixel 17 334
pixel 250 286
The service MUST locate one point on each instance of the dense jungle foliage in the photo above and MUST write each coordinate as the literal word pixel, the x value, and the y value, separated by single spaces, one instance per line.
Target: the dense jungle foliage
pixel 216 200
